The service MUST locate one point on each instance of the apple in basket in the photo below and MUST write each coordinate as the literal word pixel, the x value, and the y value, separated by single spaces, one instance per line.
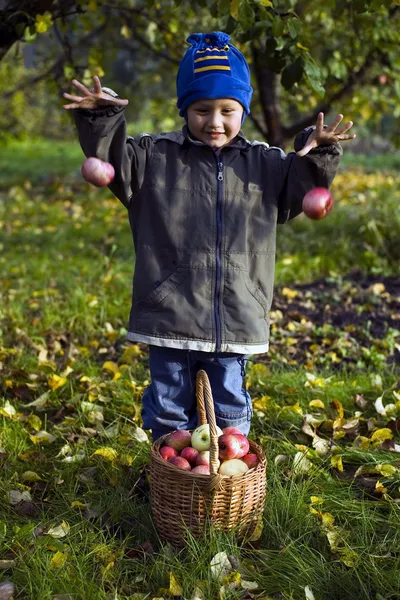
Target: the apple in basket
pixel 180 462
pixel 190 454
pixel 229 446
pixel 231 430
pixel 178 439
pixel 201 437
pixel 250 459
pixel 167 452
pixel 235 466
pixel 203 459
pixel 244 445
pixel 201 469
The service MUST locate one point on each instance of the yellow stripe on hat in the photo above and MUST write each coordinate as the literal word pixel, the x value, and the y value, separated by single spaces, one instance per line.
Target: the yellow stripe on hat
pixel 211 58
pixel 213 68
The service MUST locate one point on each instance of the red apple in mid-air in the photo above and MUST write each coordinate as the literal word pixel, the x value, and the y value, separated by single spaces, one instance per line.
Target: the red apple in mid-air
pixel 167 452
pixel 178 439
pixel 231 430
pixel 180 462
pixel 97 172
pixel 244 445
pixel 190 454
pixel 251 460
pixel 317 203
pixel 202 469
pixel 229 446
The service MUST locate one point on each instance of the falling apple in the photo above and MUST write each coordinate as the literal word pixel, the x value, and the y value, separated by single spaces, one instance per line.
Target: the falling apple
pixel 97 172
pixel 178 439
pixel 201 437
pixel 317 203
pixel 232 467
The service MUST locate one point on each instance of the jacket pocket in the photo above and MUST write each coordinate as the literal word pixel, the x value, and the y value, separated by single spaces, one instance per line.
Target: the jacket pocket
pixel 246 309
pixel 179 308
pixel 164 289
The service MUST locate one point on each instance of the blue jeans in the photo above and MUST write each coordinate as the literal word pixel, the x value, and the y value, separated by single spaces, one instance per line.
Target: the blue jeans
pixel 169 402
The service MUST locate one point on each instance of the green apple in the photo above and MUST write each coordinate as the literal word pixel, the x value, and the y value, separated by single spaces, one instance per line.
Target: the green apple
pixel 234 466
pixel 201 437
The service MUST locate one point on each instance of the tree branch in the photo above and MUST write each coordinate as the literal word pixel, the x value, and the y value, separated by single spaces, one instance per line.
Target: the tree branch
pixel 258 125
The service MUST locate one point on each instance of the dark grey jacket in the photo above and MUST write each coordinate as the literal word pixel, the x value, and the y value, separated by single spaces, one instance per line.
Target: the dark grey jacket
pixel 204 228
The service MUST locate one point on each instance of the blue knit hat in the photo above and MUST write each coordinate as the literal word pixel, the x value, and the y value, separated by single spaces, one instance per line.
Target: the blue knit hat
pixel 213 68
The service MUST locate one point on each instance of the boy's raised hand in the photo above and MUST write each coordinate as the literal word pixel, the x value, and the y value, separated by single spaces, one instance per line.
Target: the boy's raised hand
pixel 94 98
pixel 323 136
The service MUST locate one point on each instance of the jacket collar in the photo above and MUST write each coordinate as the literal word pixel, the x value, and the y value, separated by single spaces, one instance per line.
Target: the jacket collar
pixel 240 141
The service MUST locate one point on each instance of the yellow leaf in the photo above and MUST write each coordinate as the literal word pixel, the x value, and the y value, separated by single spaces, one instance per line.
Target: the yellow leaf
pixel 234 9
pixel 107 453
pixel 42 437
pixel 43 22
pixel 35 422
pixel 288 293
pixel 338 405
pixel 111 366
pixel 174 588
pixel 30 476
pixel 8 410
pixel 386 470
pixel 77 504
pixel 266 3
pixel 380 435
pixel 327 520
pixel 58 560
pixel 316 403
pixel 348 556
pixel 295 408
pixel 380 488
pixel 59 531
pixel 55 381
pixel 337 463
pixel 316 500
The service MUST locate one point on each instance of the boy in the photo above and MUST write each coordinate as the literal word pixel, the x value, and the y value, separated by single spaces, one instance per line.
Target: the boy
pixel 203 206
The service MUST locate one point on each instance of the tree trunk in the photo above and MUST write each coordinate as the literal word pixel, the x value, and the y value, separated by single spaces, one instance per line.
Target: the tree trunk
pixel 268 89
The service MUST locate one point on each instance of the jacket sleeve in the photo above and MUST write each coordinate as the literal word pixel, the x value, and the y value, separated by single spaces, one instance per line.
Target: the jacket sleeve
pixel 102 133
pixel 298 175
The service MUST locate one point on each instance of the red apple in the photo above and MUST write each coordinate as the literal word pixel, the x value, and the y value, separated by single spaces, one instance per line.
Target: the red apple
pixel 231 430
pixel 167 452
pixel 250 459
pixel 190 454
pixel 244 444
pixel 317 203
pixel 203 458
pixel 180 462
pixel 178 439
pixel 202 469
pixel 97 172
pixel 229 446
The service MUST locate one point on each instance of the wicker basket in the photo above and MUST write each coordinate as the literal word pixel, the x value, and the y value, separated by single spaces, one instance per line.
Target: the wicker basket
pixel 183 501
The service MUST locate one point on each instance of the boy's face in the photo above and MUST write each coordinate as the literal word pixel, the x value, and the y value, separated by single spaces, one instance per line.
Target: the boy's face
pixel 215 122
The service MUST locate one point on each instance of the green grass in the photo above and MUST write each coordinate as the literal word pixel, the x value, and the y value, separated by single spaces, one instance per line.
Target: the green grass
pixel 66 265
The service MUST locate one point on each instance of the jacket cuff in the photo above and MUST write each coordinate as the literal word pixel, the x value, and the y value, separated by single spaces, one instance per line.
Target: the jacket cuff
pixel 106 111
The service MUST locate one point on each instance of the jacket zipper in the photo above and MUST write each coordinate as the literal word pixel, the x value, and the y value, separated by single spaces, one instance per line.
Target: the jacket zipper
pixel 218 254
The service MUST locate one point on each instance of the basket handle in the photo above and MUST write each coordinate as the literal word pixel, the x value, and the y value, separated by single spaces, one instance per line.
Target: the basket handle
pixel 205 411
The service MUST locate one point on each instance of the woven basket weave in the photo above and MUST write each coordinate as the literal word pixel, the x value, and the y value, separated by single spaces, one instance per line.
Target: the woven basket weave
pixel 182 500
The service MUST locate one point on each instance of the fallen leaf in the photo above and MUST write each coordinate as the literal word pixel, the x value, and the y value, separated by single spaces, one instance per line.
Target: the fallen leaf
pixel 15 497
pixel 42 437
pixel 58 560
pixel 107 453
pixel 59 531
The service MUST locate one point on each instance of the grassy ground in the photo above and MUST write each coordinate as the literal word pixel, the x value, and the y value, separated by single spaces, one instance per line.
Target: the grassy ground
pixel 76 524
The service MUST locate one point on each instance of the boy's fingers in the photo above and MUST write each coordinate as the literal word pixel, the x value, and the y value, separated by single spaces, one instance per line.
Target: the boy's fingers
pixel 97 85
pixel 320 123
pixel 344 128
pixel 81 87
pixel 335 123
pixel 121 101
pixel 71 97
